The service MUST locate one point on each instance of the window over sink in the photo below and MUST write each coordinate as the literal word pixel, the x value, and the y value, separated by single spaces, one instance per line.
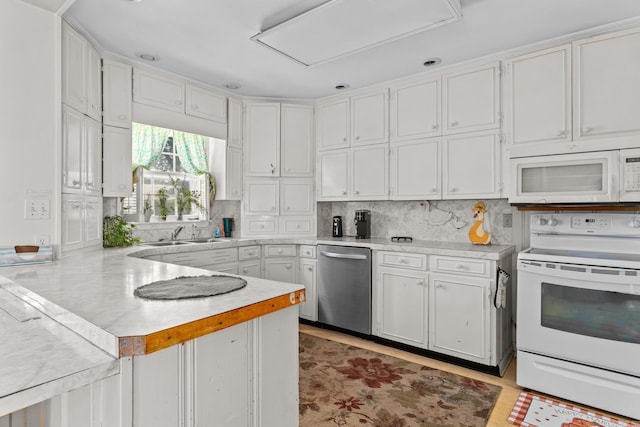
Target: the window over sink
pixel 171 175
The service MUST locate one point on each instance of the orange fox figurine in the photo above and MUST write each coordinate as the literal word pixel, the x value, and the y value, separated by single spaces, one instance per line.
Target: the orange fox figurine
pixel 480 232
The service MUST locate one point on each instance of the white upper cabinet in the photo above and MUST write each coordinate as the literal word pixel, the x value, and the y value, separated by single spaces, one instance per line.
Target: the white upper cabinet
pixel 332 124
pixel 471 166
pixel 538 97
pixel 471 99
pixel 296 197
pixel 606 85
pixel 370 118
pixel 235 123
pixel 360 120
pixel 116 78
pixel 415 170
pixel 333 177
pixel 415 110
pixel 296 140
pixel 205 104
pixel 262 139
pixel 234 173
pixel 370 173
pixel 116 162
pixel 262 197
pixel 81 153
pixel 278 140
pixel 81 87
pixel 93 157
pixel 158 91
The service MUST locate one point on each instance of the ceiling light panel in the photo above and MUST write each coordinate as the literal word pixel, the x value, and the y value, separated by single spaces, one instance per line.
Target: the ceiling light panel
pixel 342 27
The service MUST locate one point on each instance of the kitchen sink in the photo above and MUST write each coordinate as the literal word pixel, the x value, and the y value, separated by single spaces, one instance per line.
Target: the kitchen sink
pixel 207 240
pixel 169 243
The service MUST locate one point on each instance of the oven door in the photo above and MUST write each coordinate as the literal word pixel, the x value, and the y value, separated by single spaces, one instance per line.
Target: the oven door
pixel 579 313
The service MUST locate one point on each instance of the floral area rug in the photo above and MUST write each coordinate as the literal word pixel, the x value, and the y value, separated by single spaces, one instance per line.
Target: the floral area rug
pixel 343 385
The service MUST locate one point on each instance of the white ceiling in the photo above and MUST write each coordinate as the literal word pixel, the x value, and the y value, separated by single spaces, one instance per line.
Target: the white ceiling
pixel 209 40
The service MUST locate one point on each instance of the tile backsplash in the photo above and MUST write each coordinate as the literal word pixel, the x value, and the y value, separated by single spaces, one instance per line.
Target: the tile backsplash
pixel 442 220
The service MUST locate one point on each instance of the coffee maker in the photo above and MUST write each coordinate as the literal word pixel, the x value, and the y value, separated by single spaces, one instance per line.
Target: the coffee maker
pixel 363 224
pixel 337 226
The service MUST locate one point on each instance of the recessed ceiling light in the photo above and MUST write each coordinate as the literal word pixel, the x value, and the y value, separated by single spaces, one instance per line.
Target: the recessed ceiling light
pixel 232 86
pixel 148 57
pixel 430 62
pixel 342 86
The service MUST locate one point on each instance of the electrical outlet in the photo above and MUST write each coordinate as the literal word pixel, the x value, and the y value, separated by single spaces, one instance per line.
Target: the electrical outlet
pixel 43 240
pixel 507 220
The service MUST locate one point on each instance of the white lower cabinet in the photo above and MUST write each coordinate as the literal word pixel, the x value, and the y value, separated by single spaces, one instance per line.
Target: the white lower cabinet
pixel 251 268
pixel 280 269
pixel 402 306
pixel 459 317
pixel 81 221
pixel 238 376
pixel 307 277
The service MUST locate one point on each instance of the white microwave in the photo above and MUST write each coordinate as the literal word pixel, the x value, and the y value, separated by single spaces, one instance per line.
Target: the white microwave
pixel 595 177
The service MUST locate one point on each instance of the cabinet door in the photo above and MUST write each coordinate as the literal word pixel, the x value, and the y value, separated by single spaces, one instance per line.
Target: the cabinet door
pixel 538 96
pixel 93 156
pixel 471 166
pixel 280 269
pixel 307 277
pixel 471 99
pixel 262 197
pixel 93 221
pixel 72 222
pixel 415 170
pixel 116 79
pixel 73 135
pixel 370 172
pixel 252 268
pixel 297 225
pixel 333 175
pixel 606 85
pixel 205 104
pixel 234 174
pixel 402 306
pixel 370 118
pixel 116 162
pixel 262 139
pixel 296 140
pixel 235 125
pixel 94 84
pixel 158 91
pixel 74 69
pixel 332 125
pixel 459 317
pixel 415 110
pixel 296 197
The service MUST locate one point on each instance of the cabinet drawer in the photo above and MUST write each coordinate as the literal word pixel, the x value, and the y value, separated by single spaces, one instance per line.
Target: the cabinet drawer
pixel 296 225
pixel 249 252
pixel 262 226
pixel 307 251
pixel 403 260
pixel 279 250
pixel 229 268
pixel 466 266
pixel 221 256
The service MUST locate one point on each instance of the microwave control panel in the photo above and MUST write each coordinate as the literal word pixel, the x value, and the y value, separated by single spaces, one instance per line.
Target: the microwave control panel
pixel 631 173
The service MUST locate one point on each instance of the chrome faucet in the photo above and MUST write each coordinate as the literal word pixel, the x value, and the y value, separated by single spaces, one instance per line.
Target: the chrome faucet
pixel 176 231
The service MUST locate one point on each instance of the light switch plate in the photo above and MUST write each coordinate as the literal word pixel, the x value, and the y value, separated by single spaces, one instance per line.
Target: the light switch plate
pixel 36 209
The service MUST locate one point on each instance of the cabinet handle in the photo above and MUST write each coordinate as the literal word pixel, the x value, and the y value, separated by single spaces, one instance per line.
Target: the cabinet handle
pixel 344 193
pixel 298 226
pixel 122 116
pixel 420 283
pixel 273 208
pixel 586 130
pixel 194 106
pixel 310 268
pixel 453 190
pixel 90 184
pixel 562 133
pixel 402 261
pixel 434 127
pixel 273 168
pixel 288 169
pixel 279 251
pixel 572 146
pixel 357 191
pixel 75 182
pixel 357 137
pixel 244 270
pixel 261 225
pixel 288 208
pixel 434 189
pixel 288 266
pixel 250 253
pixel 452 124
pixel 344 139
pixel 460 267
pixel 178 102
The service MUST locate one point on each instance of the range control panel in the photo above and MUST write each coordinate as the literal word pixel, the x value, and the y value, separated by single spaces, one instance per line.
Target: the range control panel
pixel 613 224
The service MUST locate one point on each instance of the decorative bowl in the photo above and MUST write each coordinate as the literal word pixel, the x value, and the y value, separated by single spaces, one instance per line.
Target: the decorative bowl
pixel 27 252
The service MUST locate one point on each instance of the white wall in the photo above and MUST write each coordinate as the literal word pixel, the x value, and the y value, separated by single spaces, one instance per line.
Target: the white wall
pixel 29 124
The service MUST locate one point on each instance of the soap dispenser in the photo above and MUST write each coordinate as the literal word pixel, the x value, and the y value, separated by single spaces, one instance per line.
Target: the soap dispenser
pixel 217 232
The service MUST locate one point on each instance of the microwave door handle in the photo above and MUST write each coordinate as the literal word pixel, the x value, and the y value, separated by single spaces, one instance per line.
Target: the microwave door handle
pixel 344 256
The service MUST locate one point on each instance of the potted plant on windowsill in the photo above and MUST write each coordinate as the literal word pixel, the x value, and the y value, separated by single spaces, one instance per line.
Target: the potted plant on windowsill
pixel 185 199
pixel 163 209
pixel 148 208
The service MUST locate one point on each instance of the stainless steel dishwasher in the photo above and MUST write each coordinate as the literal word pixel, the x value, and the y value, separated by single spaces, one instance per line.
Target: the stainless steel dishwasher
pixel 344 287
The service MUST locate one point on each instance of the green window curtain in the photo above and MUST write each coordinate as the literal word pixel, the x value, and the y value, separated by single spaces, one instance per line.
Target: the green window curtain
pixel 147 142
pixel 192 151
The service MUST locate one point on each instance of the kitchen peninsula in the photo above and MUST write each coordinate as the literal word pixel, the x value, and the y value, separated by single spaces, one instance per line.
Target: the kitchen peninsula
pixel 226 358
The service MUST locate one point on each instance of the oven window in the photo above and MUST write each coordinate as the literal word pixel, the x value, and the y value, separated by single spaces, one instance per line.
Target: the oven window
pixel 601 314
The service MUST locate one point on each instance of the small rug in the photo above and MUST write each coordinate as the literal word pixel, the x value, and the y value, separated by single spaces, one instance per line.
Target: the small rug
pixel 343 385
pixel 536 411
pixel 190 287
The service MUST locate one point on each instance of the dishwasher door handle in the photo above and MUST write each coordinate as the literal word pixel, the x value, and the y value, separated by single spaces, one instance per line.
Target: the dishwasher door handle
pixel 346 256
